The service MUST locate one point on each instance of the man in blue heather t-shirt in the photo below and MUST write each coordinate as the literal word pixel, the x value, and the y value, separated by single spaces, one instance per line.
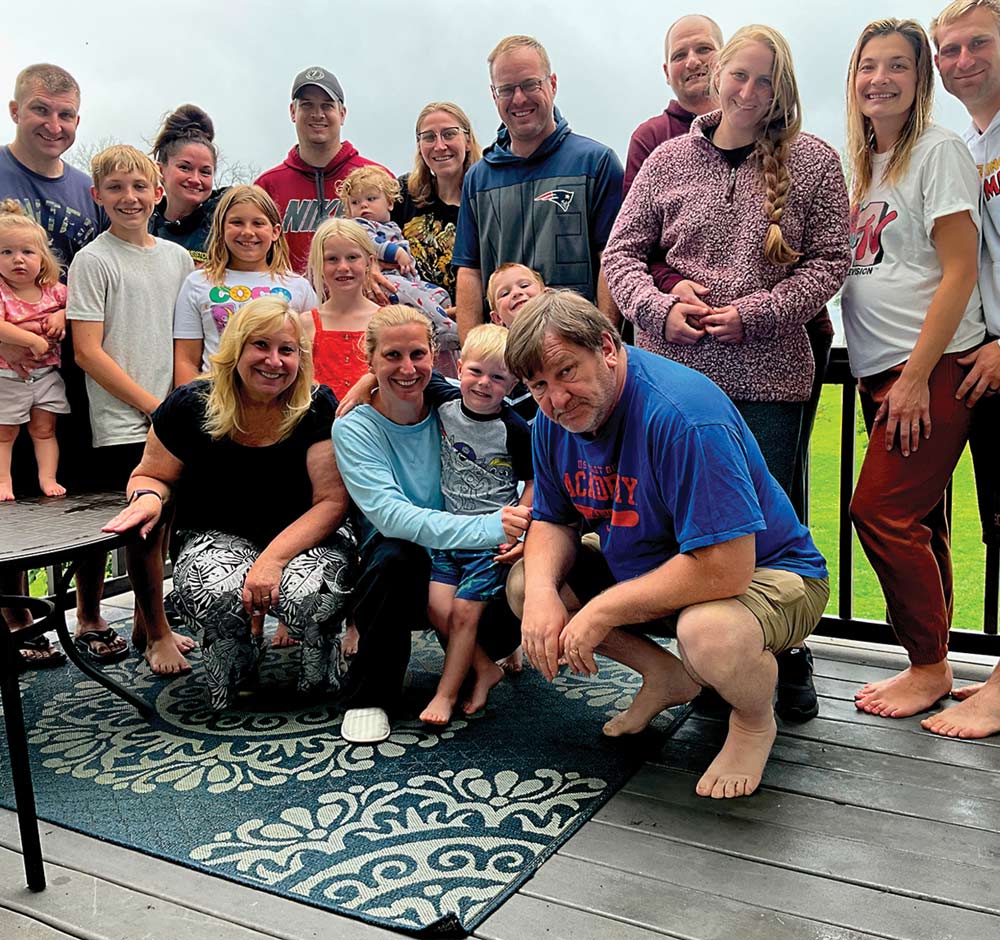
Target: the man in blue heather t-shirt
pixel 695 535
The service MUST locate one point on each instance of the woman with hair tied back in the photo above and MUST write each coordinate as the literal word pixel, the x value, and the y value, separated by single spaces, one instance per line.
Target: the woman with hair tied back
pixel 185 151
pixel 432 190
pixel 912 312
pixel 754 212
pixel 256 424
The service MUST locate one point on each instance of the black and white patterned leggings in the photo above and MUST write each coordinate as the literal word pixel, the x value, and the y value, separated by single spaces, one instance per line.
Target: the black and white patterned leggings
pixel 313 597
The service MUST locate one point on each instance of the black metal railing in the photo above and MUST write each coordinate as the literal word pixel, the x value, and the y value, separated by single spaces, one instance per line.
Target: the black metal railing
pixel 843 623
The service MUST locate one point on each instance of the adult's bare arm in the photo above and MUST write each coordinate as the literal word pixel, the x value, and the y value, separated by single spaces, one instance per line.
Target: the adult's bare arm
pixel 705 574
pixel 549 551
pixel 906 407
pixel 329 507
pixel 469 300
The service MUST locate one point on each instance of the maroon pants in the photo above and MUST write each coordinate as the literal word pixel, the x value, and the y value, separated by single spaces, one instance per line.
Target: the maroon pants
pixel 899 513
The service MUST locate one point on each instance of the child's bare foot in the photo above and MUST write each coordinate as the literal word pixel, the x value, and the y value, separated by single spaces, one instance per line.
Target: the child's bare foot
pixel 738 767
pixel 912 691
pixel 281 639
pixel 183 643
pixel 6 491
pixel 438 711
pixel 966 691
pixel 349 644
pixel 484 682
pixel 976 717
pixel 514 663
pixel 51 487
pixel 665 686
pixel 165 659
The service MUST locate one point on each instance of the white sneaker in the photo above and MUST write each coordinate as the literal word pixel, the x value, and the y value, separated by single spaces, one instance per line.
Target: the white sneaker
pixel 365 726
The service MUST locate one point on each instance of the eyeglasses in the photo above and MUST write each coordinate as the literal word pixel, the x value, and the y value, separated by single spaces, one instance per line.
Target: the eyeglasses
pixel 529 87
pixel 447 134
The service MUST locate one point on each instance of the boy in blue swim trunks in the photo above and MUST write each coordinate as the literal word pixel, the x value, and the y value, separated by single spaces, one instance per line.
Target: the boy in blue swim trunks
pixel 485 455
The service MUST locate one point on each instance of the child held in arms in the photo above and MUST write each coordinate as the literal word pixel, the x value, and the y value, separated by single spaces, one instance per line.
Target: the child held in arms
pixel 368 194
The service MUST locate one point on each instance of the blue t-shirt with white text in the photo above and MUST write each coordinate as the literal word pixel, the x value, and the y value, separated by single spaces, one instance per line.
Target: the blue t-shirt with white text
pixel 673 469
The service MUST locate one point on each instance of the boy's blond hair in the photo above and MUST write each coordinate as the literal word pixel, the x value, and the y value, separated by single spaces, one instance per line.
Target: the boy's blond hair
pixel 122 158
pixel 959 8
pixel 365 176
pixel 14 219
pixel 491 289
pixel 486 343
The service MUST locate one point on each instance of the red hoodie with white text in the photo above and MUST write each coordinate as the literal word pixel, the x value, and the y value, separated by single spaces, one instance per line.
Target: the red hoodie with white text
pixel 307 195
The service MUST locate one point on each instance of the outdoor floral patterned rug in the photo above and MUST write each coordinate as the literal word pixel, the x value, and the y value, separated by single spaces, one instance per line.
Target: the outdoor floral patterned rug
pixel 428 832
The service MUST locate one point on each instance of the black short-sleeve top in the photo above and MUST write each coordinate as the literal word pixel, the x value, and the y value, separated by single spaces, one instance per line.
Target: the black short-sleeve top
pixel 431 233
pixel 253 492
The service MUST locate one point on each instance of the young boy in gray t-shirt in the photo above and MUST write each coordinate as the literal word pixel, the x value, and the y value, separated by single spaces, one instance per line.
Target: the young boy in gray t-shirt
pixel 121 293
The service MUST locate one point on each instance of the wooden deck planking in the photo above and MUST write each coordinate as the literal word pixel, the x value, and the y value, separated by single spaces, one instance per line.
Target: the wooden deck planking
pixel 864 828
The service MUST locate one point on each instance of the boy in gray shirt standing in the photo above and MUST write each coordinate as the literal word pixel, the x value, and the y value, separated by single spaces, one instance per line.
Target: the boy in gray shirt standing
pixel 121 293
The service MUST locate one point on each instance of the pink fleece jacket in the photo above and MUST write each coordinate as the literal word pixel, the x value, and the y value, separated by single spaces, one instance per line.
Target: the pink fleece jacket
pixel 709 221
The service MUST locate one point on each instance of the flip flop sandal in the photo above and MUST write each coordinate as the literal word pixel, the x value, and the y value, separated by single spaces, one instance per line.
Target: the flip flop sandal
pixel 83 643
pixel 365 726
pixel 39 644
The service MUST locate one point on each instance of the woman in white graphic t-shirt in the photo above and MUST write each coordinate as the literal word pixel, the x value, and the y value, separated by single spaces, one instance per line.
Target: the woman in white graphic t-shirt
pixel 911 310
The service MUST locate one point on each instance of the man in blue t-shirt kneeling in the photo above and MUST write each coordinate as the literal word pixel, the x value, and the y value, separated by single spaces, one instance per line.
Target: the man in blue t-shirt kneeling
pixel 696 537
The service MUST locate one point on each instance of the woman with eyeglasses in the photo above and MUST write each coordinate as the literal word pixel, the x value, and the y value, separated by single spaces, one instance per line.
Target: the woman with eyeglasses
pixel 428 213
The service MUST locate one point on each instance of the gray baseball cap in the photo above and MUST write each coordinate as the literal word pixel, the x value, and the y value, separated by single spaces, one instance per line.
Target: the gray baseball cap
pixel 321 78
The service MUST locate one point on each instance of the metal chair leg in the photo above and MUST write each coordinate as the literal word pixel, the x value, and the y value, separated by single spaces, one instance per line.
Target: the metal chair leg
pixel 20 764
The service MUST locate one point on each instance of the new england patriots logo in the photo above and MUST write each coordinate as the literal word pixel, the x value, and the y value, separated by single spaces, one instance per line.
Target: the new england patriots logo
pixel 561 197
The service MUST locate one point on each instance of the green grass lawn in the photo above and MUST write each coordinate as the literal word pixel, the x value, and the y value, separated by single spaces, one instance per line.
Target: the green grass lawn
pixel 968 552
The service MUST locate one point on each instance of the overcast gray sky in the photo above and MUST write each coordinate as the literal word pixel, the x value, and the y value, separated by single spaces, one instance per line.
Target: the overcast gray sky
pixel 136 60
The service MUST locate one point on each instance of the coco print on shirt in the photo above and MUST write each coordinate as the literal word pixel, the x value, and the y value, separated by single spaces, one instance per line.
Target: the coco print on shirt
pixel 226 299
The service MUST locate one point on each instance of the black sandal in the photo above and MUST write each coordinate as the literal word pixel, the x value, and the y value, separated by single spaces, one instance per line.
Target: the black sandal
pixel 50 658
pixel 84 646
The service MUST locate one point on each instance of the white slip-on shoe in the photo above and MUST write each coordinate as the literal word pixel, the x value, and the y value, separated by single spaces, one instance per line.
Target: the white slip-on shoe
pixel 365 726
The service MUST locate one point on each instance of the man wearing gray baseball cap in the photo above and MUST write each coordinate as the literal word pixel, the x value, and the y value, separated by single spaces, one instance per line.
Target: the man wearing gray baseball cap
pixel 304 185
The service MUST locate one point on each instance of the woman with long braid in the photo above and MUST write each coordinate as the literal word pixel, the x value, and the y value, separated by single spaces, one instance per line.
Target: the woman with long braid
pixel 753 214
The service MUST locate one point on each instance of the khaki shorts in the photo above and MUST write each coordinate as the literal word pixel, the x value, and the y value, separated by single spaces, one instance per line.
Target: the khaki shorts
pixel 787 606
pixel 17 397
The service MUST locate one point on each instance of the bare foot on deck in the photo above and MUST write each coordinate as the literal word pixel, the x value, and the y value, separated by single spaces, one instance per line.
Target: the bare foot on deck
pixel 438 711
pixel 164 658
pixel 6 491
pixel 281 639
pixel 349 644
pixel 514 663
pixel 666 686
pixel 183 643
pixel 481 687
pixel 51 487
pixel 914 690
pixel 976 717
pixel 738 767
pixel 966 691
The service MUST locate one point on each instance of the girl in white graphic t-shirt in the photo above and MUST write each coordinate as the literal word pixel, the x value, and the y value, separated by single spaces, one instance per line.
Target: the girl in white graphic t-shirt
pixel 246 258
pixel 911 310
